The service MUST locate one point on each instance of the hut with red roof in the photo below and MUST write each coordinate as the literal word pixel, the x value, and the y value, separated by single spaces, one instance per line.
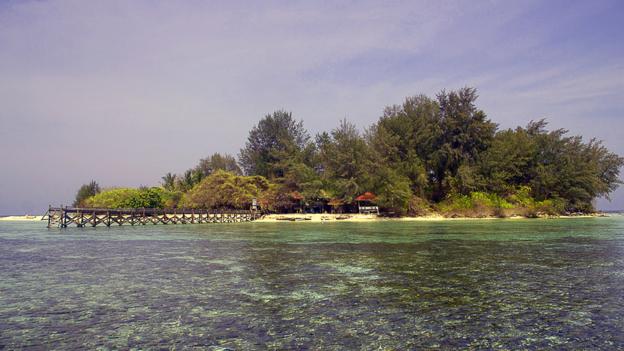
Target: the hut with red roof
pixel 367 203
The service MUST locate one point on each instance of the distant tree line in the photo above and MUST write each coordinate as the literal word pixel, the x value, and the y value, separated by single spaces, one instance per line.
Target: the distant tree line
pixel 426 155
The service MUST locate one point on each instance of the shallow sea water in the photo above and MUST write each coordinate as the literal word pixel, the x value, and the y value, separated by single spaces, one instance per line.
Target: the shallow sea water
pixel 478 284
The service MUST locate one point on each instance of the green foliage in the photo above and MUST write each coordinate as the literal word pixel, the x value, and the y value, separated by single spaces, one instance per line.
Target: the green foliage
pixel 86 191
pixel 465 133
pixel 404 138
pixel 476 204
pixel 551 164
pixel 345 160
pixel 394 193
pixel 447 147
pixel 436 143
pixel 571 170
pixel 278 198
pixel 441 153
pixel 302 179
pixel 526 205
pixel 216 162
pixel 222 189
pixel 506 162
pixel 276 141
pixel 128 198
pixel 551 207
pixel 170 199
pixel 522 197
pixel 191 177
pixel 419 207
pixel 169 181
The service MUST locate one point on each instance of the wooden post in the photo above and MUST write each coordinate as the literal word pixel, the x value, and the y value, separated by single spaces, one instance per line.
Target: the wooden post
pixel 63 219
pixel 49 214
pixel 163 217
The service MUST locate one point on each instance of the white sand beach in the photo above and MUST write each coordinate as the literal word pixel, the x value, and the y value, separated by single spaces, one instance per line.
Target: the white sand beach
pixel 21 218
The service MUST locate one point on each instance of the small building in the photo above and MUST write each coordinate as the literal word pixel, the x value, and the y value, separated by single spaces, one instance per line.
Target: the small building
pixel 297 200
pixel 337 205
pixel 367 203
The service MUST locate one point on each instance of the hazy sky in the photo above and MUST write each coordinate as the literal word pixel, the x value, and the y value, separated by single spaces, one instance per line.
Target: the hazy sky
pixel 125 91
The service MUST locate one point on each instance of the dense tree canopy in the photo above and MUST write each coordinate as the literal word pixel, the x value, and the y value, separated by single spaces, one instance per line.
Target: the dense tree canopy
pixel 275 143
pixel 345 162
pixel 223 189
pixel 428 154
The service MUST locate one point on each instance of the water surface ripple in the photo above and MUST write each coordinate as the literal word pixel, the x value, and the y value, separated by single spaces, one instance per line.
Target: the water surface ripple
pixel 491 284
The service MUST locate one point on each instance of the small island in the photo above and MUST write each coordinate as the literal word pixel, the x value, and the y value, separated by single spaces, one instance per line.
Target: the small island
pixel 429 157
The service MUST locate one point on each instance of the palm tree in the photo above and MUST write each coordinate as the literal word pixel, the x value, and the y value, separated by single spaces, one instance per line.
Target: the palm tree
pixel 169 181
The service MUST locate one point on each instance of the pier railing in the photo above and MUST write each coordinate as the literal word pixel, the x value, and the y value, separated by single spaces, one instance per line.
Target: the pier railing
pixel 62 217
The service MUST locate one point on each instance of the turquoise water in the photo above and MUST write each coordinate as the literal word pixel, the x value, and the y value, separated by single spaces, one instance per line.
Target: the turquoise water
pixel 491 284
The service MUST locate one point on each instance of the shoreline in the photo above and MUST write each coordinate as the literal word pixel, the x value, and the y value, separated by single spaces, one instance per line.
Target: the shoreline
pixel 346 217
pixel 355 217
pixel 22 218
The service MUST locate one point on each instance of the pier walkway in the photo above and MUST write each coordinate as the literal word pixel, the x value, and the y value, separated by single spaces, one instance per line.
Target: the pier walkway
pixel 62 217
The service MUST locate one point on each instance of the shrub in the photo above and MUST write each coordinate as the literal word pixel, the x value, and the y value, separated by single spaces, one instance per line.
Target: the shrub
pixel 419 207
pixel 171 199
pixel 224 189
pixel 477 204
pixel 394 195
pixel 127 198
pixel 527 206
pixel 551 207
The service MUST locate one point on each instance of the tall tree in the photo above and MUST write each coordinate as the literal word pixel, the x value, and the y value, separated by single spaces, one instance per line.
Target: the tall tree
pixel 216 162
pixel 345 161
pixel 188 179
pixel 466 132
pixel 274 142
pixel 566 167
pixel 435 143
pixel 506 163
pixel 404 138
pixel 169 181
pixel 86 191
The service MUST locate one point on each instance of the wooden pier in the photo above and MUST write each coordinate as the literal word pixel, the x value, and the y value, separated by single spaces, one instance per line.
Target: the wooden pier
pixel 62 217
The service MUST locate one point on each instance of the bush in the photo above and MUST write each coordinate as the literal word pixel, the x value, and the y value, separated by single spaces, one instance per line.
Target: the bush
pixel 171 199
pixel 529 207
pixel 224 189
pixel 552 207
pixel 127 198
pixel 419 207
pixel 394 196
pixel 477 204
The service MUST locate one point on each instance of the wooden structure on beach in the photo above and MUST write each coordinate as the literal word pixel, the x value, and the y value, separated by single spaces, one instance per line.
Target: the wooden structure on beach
pixel 62 217
pixel 366 203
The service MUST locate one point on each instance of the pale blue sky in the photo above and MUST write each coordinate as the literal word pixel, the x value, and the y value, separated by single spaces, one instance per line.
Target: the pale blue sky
pixel 125 91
